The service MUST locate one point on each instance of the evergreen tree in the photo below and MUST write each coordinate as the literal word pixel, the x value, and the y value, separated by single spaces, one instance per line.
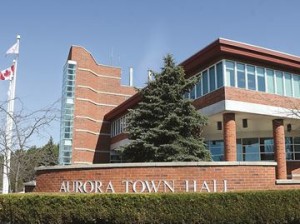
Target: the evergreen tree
pixel 165 126
pixel 49 154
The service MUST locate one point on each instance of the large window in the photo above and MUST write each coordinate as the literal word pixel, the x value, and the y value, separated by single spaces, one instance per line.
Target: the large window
pixel 245 76
pixel 210 80
pixel 261 79
pixel 256 149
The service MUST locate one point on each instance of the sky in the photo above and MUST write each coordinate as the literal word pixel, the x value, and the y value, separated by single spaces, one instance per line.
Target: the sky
pixel 131 33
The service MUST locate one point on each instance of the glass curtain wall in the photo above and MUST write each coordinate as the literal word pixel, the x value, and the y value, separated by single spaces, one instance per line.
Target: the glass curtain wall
pixel 245 76
pixel 67 113
pixel 255 149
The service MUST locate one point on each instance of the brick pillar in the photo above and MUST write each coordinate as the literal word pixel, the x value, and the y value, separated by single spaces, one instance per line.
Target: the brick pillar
pixel 279 148
pixel 229 137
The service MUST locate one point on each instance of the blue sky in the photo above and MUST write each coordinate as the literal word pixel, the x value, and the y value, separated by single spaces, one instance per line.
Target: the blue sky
pixel 132 33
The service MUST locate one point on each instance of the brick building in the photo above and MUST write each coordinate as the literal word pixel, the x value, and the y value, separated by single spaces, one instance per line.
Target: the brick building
pixel 250 95
pixel 90 90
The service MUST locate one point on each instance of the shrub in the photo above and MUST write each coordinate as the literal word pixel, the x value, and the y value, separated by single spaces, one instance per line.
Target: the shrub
pixel 238 207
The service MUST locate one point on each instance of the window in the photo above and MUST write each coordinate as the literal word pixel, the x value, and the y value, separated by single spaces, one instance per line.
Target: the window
pixel 212 78
pixel 270 81
pixel 246 76
pixel 261 83
pixel 66 160
pixel 241 80
pixel 256 149
pixel 67 153
pixel 198 89
pixel 279 83
pixel 288 84
pixel 296 80
pixel 289 148
pixel 115 157
pixel 187 95
pixel 230 79
pixel 297 148
pixel 193 93
pixel 267 148
pixel 219 75
pixel 251 77
pixel 205 82
pixel 119 126
pixel 69 88
pixel 248 149
pixel 217 149
pixel 71 71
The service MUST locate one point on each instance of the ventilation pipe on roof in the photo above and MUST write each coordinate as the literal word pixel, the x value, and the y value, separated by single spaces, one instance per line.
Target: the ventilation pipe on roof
pixel 130 76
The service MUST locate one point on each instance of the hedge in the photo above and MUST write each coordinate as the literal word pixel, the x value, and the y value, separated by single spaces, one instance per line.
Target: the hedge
pixel 242 207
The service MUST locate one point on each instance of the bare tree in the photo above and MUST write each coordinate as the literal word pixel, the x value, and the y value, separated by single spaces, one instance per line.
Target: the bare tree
pixel 26 125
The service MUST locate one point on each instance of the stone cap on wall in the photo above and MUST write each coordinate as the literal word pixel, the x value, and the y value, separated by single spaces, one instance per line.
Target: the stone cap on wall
pixel 287 182
pixel 154 164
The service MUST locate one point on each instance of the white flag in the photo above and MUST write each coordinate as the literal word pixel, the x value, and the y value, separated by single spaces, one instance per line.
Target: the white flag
pixel 8 73
pixel 13 49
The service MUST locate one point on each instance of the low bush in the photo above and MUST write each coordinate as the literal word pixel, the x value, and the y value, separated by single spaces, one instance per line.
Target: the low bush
pixel 238 207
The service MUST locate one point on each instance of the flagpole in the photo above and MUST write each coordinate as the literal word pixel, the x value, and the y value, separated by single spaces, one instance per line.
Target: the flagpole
pixel 9 125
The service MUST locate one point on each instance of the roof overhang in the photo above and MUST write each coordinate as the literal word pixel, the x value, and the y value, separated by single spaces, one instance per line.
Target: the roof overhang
pixel 224 48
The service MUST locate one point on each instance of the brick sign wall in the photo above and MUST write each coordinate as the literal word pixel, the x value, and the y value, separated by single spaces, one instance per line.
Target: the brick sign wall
pixel 160 177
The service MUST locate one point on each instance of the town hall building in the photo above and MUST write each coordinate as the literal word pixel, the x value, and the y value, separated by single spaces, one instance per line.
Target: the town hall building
pixel 250 94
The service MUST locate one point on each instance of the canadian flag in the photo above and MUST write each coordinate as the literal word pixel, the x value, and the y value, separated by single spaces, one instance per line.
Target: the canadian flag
pixel 8 73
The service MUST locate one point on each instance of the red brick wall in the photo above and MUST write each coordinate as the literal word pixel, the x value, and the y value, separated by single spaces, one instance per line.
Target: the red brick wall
pixel 238 177
pixel 248 96
pixel 209 99
pixel 98 90
pixel 229 136
pixel 257 97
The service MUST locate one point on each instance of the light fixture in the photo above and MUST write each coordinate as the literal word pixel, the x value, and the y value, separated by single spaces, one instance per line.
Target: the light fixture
pixel 219 125
pixel 289 127
pixel 245 123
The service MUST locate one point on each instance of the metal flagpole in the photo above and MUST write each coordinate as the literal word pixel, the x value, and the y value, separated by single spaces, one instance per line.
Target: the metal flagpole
pixel 9 125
